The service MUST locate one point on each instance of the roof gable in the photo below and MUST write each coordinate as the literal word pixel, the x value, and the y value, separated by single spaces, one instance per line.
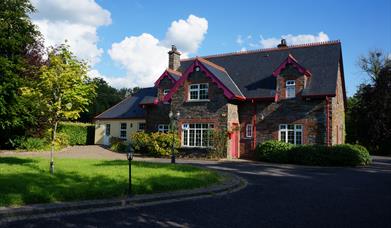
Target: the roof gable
pixel 217 74
pixel 290 60
pixel 170 74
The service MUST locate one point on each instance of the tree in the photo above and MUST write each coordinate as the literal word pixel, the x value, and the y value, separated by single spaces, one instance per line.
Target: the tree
pixel 64 89
pixel 369 110
pixel 106 97
pixel 20 58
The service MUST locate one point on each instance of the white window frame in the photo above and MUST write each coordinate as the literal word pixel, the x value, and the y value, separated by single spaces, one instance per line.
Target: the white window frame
pixel 297 130
pixel 122 130
pixel 289 86
pixel 165 91
pixel 164 128
pixel 139 125
pixel 197 88
pixel 186 140
pixel 249 131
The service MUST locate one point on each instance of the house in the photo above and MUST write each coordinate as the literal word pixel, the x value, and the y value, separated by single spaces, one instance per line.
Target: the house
pixel 295 94
pixel 123 119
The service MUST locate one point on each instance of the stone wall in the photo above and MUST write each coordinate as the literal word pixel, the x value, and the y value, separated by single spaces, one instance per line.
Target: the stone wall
pixel 269 115
pixel 338 114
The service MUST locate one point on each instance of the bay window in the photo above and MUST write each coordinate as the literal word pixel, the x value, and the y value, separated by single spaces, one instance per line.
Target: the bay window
pixel 291 133
pixel 197 135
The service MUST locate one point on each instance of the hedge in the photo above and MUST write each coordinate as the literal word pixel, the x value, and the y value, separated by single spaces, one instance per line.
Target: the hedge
pixel 338 155
pixel 78 133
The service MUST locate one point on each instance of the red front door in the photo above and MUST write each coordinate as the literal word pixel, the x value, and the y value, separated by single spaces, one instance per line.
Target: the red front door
pixel 234 142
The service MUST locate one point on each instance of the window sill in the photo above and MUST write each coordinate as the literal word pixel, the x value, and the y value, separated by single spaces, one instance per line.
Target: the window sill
pixel 202 147
pixel 205 100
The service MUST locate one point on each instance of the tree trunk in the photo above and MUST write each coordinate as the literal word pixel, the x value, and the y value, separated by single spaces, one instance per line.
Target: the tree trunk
pixel 52 149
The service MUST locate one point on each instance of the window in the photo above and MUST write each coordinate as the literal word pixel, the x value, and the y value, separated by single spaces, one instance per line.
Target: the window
pixel 290 89
pixel 107 129
pixel 249 130
pixel 291 133
pixel 197 135
pixel 198 92
pixel 166 91
pixel 122 131
pixel 141 126
pixel 163 128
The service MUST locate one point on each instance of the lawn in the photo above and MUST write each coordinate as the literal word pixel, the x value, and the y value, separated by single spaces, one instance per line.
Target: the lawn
pixel 27 180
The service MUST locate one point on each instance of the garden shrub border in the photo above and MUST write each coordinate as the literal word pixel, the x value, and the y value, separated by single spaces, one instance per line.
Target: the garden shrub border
pixel 318 155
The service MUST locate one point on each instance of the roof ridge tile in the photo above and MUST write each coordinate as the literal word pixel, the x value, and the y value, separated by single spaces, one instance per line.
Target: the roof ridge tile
pixel 314 44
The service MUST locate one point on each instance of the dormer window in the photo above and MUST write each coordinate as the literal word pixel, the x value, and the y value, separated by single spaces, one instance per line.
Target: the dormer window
pixel 290 89
pixel 166 91
pixel 198 92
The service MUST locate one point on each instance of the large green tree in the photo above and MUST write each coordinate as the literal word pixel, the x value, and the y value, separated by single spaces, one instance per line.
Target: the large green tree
pixel 63 89
pixel 20 58
pixel 369 110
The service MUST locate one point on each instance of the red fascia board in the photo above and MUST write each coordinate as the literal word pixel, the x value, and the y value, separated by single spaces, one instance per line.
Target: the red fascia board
pixel 290 60
pixel 190 69
pixel 165 74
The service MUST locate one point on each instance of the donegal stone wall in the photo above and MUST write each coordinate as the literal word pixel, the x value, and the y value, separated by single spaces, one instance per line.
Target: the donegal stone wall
pixel 269 115
pixel 338 114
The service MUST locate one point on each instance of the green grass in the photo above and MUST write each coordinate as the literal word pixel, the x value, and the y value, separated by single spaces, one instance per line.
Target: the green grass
pixel 27 180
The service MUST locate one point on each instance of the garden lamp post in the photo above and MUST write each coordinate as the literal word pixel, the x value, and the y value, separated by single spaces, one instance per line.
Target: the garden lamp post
pixel 129 156
pixel 173 118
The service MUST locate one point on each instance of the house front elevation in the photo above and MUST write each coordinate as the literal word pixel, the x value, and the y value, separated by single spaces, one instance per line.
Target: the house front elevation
pixel 294 94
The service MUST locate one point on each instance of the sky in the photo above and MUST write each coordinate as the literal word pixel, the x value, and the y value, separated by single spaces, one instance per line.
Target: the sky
pixel 126 41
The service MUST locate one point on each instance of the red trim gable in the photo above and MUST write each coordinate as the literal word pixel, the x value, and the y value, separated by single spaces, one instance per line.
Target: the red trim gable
pixel 165 74
pixel 199 62
pixel 291 60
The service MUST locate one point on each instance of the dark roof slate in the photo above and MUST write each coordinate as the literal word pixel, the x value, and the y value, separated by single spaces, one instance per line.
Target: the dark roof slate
pixel 224 78
pixel 129 107
pixel 252 71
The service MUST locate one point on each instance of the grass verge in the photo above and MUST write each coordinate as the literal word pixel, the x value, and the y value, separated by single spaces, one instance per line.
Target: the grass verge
pixel 27 180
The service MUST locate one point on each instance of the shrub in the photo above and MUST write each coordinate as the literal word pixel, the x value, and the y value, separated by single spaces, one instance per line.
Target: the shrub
pixel 155 144
pixel 119 145
pixel 219 149
pixel 78 133
pixel 338 155
pixel 31 144
pixel 273 151
pixel 139 142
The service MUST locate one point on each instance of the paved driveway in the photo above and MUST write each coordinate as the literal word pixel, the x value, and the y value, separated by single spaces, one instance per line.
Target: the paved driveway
pixel 276 196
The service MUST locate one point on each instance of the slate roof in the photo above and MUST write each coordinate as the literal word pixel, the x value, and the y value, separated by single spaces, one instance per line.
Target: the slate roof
pixel 174 74
pixel 129 107
pixel 222 75
pixel 252 71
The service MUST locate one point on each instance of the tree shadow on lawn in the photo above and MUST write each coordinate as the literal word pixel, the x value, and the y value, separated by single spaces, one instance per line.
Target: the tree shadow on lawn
pixel 16 160
pixel 145 164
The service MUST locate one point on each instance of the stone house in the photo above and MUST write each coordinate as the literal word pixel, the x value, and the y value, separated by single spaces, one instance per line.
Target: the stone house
pixel 295 94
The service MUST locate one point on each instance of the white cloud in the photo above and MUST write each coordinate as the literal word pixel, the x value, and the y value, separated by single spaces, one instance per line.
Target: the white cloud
pixel 292 39
pixel 239 40
pixel 187 34
pixel 75 21
pixel 145 57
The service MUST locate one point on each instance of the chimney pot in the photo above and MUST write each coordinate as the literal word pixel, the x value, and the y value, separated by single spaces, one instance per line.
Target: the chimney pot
pixel 282 44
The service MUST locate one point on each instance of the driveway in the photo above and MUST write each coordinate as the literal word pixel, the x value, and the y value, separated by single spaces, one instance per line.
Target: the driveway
pixel 276 196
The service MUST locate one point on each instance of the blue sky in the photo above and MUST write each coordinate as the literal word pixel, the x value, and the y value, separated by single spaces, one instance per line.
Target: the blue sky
pixel 219 26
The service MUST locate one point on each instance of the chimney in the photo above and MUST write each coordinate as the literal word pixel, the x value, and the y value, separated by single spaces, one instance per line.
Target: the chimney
pixel 282 44
pixel 174 58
